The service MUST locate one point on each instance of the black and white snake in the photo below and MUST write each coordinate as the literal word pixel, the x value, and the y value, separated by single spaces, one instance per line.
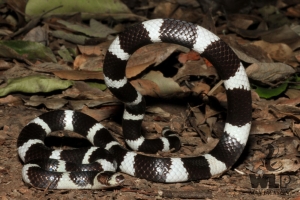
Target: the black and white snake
pixel 64 169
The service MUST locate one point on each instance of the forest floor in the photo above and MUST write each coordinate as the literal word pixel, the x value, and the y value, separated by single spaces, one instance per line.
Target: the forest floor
pixel 65 73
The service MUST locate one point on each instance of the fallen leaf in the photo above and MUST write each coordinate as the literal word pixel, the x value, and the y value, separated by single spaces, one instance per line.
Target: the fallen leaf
pixel 146 87
pixel 195 68
pixel 88 63
pixel 94 50
pixel 158 111
pixel 11 100
pixel 269 72
pixel 34 84
pixel 192 55
pixel 292 93
pixel 96 29
pixel 86 90
pixel 78 75
pixel 278 51
pixel 242 21
pixel 36 8
pixel 50 103
pixel 200 87
pixel 167 86
pixel 102 113
pixel 283 34
pixel 270 92
pixel 49 67
pixel 37 34
pixel 293 11
pixel 153 54
pixel 65 54
pixel 263 127
pixel 76 39
pixel 32 51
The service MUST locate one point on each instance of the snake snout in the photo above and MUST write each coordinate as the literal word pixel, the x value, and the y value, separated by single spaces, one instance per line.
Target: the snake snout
pixel 110 178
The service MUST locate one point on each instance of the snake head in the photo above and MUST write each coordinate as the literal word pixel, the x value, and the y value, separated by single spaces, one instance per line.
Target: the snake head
pixel 110 179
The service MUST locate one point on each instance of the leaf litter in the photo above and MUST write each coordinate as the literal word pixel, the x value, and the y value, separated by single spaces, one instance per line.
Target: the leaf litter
pixel 53 60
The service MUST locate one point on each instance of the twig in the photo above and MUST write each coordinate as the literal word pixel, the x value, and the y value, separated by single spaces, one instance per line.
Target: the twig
pixel 215 87
pixel 186 194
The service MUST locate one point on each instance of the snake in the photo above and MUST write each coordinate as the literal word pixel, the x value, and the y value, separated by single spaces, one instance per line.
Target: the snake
pixel 102 164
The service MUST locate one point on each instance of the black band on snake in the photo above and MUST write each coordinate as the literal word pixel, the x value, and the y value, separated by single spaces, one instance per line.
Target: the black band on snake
pixel 71 169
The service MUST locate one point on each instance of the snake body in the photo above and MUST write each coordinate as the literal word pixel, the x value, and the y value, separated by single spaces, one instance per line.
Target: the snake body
pixel 79 169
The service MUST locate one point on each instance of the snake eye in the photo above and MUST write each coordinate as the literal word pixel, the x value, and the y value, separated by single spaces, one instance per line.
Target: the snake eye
pixel 116 179
pixel 119 178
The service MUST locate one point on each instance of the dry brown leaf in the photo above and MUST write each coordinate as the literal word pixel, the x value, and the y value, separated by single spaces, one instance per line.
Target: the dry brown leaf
pixel 5 65
pixel 151 54
pixel 289 101
pixel 86 95
pixel 78 75
pixel 192 55
pixel 157 85
pixel 237 26
pixel 210 142
pixel 80 59
pixel 292 93
pixel 146 87
pixel 211 121
pixel 81 90
pixel 88 63
pixel 38 34
pixel 297 56
pixel 137 69
pixel 200 87
pixel 296 129
pixel 91 57
pixel 209 112
pixel 80 104
pixel 159 111
pixel 95 50
pixel 282 110
pixel 242 21
pixel 200 117
pixel 195 68
pixel 167 86
pixel 269 72
pixel 49 67
pixel 102 113
pixel 248 52
pixel 287 109
pixel 263 127
pixel 283 35
pixel 277 51
pixel 51 103
pixel 261 110
pixel 164 9
pixel 293 11
pixel 11 100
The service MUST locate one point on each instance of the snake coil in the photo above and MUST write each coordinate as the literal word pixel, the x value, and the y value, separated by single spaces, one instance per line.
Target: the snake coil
pixel 79 168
